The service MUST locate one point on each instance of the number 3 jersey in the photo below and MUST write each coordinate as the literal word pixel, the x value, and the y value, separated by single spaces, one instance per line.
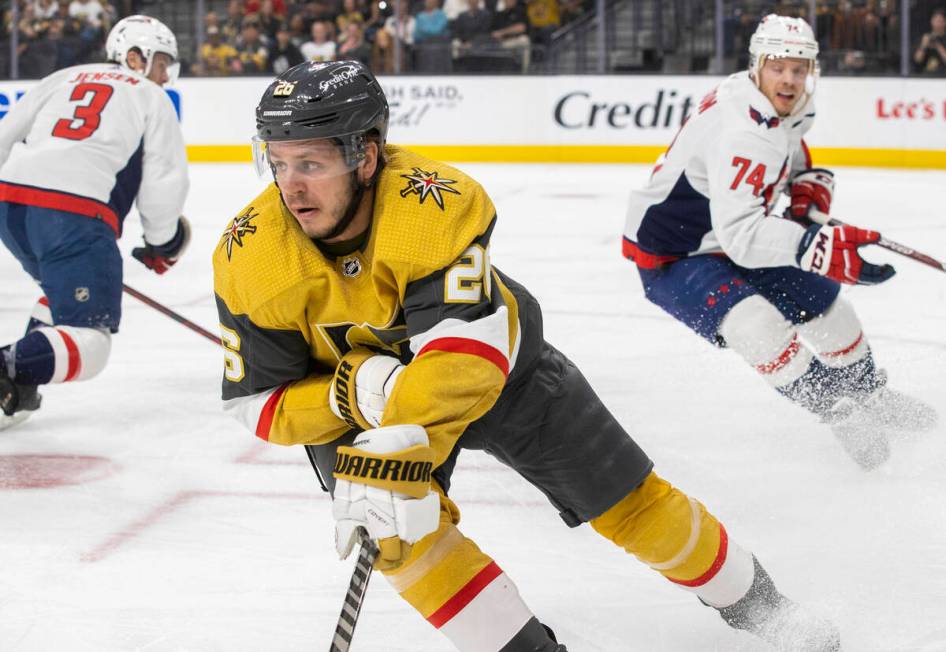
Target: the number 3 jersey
pixel 89 140
pixel 421 288
pixel 713 189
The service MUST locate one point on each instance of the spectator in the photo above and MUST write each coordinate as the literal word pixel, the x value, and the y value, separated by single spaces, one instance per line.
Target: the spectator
pixel 232 25
pixel 89 12
pixel 350 12
pixel 543 18
pixel 510 30
pixel 354 46
pixel 256 7
pixel 45 9
pixel 216 56
pixel 430 24
pixel 269 22
pixel 320 48
pixel 297 29
pixel 252 53
pixel 453 9
pixel 930 56
pixel 472 29
pixel 396 37
pixel 67 52
pixel 283 55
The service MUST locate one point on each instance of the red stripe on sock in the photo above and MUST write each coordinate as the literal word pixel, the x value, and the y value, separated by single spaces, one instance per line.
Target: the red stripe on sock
pixel 784 358
pixel 472 347
pixel 464 596
pixel 75 360
pixel 846 350
pixel 714 567
pixel 265 421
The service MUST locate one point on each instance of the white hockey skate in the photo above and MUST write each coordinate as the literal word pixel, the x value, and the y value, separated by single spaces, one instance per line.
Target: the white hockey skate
pixel 861 435
pixel 783 624
pixel 897 411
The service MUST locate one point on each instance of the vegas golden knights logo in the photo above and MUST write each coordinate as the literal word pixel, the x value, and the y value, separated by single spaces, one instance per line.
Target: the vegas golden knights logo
pixel 284 89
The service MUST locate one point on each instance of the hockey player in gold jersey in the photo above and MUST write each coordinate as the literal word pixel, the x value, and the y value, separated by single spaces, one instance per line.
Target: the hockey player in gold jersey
pixel 362 317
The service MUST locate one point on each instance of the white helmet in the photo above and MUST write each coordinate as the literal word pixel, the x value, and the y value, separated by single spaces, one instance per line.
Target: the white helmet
pixel 784 37
pixel 146 34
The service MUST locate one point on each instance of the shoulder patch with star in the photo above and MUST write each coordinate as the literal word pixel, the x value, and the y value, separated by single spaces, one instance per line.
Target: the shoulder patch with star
pixel 239 228
pixel 427 184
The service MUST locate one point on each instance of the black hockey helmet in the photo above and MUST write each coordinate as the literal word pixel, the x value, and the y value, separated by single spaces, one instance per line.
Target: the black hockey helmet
pixel 339 100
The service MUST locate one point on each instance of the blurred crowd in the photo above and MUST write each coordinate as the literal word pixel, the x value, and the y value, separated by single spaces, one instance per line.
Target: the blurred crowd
pixel 261 37
pixel 429 36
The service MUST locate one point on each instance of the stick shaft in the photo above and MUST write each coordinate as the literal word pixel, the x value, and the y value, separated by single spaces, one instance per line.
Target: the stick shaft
pixel 170 313
pixel 348 618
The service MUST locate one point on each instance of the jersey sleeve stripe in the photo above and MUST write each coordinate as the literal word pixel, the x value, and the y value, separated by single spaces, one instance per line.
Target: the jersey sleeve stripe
pixel 468 346
pixel 59 201
pixel 269 412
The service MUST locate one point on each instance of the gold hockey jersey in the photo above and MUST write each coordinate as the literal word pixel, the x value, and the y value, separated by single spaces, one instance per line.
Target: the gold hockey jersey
pixel 421 288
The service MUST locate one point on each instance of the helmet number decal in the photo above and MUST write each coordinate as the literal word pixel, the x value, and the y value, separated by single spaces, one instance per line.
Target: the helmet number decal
pixel 469 278
pixel 284 89
pixel 88 115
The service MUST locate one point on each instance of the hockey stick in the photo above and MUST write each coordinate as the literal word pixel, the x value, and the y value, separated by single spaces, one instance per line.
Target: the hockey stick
pixel 357 588
pixel 890 245
pixel 170 313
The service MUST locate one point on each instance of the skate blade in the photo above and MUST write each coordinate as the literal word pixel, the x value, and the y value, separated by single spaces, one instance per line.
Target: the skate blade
pixel 7 422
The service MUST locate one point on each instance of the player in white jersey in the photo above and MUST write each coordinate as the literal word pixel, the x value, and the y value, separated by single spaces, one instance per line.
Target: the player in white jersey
pixel 75 153
pixel 712 253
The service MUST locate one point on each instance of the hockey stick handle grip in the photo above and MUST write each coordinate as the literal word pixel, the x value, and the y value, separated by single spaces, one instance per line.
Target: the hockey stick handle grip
pixel 170 313
pixel 890 245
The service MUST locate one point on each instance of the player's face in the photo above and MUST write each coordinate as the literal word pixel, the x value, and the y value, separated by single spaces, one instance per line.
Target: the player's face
pixel 782 81
pixel 159 69
pixel 316 185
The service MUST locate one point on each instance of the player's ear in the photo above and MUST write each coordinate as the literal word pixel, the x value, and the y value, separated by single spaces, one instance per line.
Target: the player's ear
pixel 370 164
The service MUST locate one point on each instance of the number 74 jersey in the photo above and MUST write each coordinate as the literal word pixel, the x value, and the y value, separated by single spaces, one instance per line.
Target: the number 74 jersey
pixel 91 139
pixel 715 187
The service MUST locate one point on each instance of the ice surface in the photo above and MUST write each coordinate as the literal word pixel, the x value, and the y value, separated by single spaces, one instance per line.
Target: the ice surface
pixel 160 525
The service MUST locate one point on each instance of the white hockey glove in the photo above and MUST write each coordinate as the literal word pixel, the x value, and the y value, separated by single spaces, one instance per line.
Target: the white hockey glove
pixel 382 484
pixel 160 258
pixel 361 387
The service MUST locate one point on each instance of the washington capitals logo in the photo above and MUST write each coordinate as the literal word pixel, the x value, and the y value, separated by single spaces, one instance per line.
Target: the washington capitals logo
pixel 239 227
pixel 770 123
pixel 427 184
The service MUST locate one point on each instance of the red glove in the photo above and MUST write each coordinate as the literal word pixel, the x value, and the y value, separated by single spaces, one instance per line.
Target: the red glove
pixel 832 251
pixel 160 258
pixel 810 189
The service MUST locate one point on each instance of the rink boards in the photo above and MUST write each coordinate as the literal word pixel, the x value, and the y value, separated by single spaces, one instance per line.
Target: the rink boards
pixel 885 122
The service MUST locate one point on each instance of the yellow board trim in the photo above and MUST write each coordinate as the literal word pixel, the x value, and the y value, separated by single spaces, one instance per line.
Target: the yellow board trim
pixel 823 156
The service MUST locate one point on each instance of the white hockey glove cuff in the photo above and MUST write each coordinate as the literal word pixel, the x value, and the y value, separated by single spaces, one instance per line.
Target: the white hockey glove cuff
pixel 362 385
pixel 383 485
